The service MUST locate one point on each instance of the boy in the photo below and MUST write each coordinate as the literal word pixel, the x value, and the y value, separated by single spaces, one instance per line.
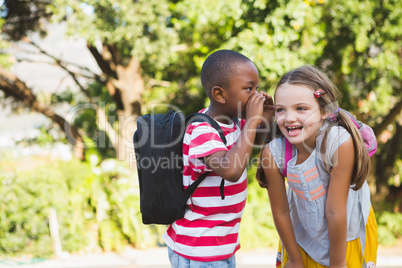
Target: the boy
pixel 207 236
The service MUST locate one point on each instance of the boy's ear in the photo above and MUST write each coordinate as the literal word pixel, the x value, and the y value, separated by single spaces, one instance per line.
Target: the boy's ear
pixel 218 94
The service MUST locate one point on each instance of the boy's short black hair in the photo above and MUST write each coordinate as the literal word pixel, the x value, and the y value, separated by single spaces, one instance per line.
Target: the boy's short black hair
pixel 219 67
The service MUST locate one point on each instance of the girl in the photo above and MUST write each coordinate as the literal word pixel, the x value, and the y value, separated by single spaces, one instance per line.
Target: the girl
pixel 324 218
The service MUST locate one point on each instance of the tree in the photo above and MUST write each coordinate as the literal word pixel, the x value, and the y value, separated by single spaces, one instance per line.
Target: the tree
pixel 154 50
pixel 132 34
pixel 356 43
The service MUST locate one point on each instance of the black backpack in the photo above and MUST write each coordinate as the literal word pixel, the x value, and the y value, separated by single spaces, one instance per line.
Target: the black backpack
pixel 158 144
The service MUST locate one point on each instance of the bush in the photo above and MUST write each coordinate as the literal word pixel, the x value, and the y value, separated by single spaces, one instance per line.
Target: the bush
pixel 98 208
pixel 389 228
pixel 93 211
pixel 257 228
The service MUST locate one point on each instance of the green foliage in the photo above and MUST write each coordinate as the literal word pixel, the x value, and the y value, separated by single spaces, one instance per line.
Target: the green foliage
pixel 98 207
pixel 27 198
pixel 257 228
pixel 4 45
pixel 362 53
pixel 92 210
pixel 389 228
pixel 355 43
pixel 29 14
pixel 135 28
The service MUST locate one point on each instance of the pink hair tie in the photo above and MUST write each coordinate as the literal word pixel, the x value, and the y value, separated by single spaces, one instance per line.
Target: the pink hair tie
pixel 334 115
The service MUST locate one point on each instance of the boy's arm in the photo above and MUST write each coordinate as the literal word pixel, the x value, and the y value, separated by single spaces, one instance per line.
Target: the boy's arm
pixel 338 190
pixel 280 207
pixel 231 164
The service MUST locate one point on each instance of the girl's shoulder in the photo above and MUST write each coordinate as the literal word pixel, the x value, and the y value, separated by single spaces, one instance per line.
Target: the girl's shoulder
pixel 337 134
pixel 277 149
pixel 277 144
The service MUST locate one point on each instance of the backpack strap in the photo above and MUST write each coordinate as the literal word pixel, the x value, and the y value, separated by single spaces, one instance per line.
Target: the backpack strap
pixel 190 189
pixel 237 121
pixel 200 117
pixel 288 156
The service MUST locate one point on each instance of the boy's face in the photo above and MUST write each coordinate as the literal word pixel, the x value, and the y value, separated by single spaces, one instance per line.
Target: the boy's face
pixel 241 86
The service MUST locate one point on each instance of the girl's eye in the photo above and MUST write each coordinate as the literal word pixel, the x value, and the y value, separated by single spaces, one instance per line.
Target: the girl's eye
pixel 301 109
pixel 249 88
pixel 278 110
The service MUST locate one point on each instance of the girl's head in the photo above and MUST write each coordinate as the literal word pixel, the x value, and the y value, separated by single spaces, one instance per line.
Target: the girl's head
pixel 305 98
pixel 299 112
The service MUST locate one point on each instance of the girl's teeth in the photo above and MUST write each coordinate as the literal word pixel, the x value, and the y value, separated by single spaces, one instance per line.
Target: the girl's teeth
pixel 294 130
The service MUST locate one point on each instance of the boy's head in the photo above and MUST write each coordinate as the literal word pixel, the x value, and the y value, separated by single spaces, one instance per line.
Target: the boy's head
pixel 229 78
pixel 219 68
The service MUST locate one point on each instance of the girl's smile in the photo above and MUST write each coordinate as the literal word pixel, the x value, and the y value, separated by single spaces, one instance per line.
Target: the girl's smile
pixel 294 130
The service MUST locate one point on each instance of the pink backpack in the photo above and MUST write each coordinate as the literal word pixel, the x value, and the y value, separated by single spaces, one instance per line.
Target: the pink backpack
pixel 367 133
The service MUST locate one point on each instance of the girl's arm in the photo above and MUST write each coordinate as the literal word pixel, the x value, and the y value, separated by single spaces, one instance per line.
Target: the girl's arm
pixel 339 185
pixel 280 208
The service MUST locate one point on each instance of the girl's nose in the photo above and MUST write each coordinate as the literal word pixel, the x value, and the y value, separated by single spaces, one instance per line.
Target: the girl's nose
pixel 290 117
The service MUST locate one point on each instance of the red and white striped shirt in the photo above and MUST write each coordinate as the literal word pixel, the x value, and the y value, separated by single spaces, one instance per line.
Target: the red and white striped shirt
pixel 209 230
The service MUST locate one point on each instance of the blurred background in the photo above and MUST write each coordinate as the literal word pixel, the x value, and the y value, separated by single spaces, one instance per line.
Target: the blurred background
pixel 75 76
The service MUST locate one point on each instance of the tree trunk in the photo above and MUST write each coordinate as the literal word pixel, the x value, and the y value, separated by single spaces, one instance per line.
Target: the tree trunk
pixel 131 85
pixel 125 85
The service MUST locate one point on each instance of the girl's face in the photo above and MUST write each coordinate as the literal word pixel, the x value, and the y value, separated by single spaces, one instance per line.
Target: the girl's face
pixel 298 114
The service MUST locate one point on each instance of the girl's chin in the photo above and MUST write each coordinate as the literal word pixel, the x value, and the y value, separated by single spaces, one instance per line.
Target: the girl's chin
pixel 294 141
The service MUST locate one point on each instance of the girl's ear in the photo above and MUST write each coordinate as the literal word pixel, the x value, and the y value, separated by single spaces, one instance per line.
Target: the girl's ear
pixel 324 113
pixel 325 116
pixel 218 94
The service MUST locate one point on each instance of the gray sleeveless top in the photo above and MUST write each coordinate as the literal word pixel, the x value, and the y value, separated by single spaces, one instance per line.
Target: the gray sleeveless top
pixel 307 194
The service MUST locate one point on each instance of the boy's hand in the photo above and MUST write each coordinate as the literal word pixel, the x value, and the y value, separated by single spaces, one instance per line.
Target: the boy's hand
pixel 255 108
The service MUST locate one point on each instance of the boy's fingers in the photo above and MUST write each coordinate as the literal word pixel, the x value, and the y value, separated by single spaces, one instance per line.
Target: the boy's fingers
pixel 268 98
pixel 256 97
pixel 265 95
pixel 259 96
